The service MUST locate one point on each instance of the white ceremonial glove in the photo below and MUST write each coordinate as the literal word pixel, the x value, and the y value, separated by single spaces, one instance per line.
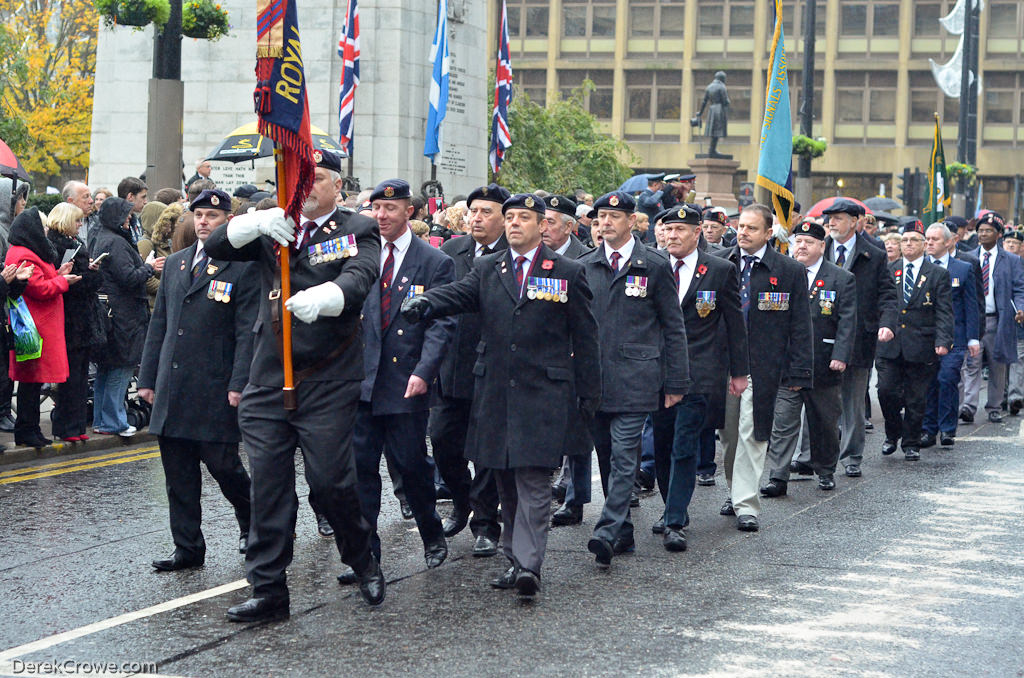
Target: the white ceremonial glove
pixel 245 228
pixel 325 299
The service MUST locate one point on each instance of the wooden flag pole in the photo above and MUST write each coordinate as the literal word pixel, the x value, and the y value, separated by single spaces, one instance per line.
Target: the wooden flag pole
pixel 290 400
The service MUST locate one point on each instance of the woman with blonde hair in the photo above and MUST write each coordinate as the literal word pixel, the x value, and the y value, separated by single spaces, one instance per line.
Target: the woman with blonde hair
pixel 159 243
pixel 82 330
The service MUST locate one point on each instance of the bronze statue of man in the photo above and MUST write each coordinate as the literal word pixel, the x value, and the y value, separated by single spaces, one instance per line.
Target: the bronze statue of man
pixel 717 123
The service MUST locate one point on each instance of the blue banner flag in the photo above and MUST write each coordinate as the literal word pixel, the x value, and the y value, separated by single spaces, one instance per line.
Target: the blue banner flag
pixel 774 165
pixel 438 84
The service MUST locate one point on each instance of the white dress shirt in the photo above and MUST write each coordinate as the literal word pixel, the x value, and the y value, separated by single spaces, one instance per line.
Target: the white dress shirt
pixel 199 254
pixel 812 273
pixel 526 264
pixel 564 246
pixel 916 263
pixel 990 298
pixel 479 249
pixel 686 272
pixel 402 243
pixel 625 252
pixel 848 252
pixel 313 224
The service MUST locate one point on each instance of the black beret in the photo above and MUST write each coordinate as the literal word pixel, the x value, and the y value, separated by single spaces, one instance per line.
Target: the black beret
pixel 844 206
pixel 491 192
pixel 1015 235
pixel 392 189
pixel 682 214
pixel 811 228
pixel 213 198
pixel 991 219
pixel 524 201
pixel 911 225
pixel 616 200
pixel 329 160
pixel 559 203
pixel 245 191
pixel 716 214
pixel 955 223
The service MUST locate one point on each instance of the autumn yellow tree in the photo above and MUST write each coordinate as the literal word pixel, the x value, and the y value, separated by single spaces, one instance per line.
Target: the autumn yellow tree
pixel 51 88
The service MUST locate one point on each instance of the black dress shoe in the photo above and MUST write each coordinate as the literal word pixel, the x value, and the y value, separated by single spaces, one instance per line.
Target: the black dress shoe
pixel 602 550
pixel 7 424
pixel 1015 406
pixel 911 454
pixel 567 515
pixel 372 584
pixel 634 500
pixel 527 584
pixel 800 468
pixel 947 439
pixel 659 526
pixel 484 547
pixel 455 523
pixel 558 493
pixel 747 523
pixel 623 545
pixel 347 577
pixel 774 488
pixel 177 562
pixel 645 480
pixel 706 479
pixel 406 511
pixel 727 509
pixel 966 416
pixel 37 440
pixel 826 482
pixel 995 417
pixel 442 493
pixel 243 543
pixel 507 580
pixel 927 440
pixel 888 447
pixel 259 609
pixel 324 527
pixel 853 471
pixel 674 539
pixel 435 553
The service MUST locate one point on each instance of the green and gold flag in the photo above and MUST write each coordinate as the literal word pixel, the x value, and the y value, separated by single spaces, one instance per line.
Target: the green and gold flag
pixel 937 202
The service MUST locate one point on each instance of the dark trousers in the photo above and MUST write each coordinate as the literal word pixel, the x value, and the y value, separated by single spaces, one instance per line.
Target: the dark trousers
pixel 322 426
pixel 180 458
pixel 617 439
pixel 677 439
pixel 26 425
pixel 449 421
pixel 706 461
pixel 6 389
pixel 943 404
pixel 69 412
pixel 579 471
pixel 822 407
pixel 902 392
pixel 525 494
pixel 405 437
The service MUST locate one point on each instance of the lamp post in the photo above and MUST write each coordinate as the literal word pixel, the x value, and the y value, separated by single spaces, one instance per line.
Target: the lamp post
pixel 803 180
pixel 166 106
pixel 967 142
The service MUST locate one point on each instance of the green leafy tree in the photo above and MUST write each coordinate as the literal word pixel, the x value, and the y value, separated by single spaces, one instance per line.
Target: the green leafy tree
pixel 13 130
pixel 560 148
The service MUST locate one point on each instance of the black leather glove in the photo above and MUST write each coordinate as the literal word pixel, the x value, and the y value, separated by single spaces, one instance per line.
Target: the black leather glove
pixel 588 406
pixel 415 309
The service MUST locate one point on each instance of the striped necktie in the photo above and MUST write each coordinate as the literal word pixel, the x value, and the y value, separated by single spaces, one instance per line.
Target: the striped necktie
pixel 197 269
pixel 748 263
pixel 520 273
pixel 985 270
pixel 908 283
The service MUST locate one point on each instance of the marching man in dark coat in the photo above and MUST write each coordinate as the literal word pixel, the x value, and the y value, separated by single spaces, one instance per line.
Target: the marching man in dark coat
pixel 335 260
pixel 643 359
pixel 538 346
pixel 195 364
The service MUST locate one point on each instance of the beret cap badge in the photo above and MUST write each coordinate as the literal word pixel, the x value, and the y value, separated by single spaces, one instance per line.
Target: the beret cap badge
pixel 214 200
pixel 318 156
pixel 613 201
pixel 389 192
pixel 528 202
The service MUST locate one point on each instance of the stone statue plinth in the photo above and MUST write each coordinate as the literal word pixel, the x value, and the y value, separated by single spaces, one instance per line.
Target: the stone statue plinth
pixel 714 180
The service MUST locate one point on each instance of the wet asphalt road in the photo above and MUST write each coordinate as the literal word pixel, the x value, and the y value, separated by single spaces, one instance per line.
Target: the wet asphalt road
pixel 912 570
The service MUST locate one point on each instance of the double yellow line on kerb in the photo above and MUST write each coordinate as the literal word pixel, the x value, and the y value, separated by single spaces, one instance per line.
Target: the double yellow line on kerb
pixel 81 464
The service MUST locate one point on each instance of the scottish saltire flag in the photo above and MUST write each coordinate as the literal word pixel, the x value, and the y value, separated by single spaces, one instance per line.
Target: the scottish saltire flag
pixel 501 138
pixel 774 165
pixel 348 50
pixel 938 199
pixel 438 83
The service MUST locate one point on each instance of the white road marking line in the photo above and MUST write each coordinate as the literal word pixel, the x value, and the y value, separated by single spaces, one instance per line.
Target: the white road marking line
pixel 96 627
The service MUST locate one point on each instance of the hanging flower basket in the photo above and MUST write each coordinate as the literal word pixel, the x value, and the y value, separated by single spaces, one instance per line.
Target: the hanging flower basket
pixel 203 19
pixel 962 172
pixel 805 146
pixel 137 13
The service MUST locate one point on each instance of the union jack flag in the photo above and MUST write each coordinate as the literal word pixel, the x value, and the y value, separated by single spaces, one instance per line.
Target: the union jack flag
pixel 348 50
pixel 501 138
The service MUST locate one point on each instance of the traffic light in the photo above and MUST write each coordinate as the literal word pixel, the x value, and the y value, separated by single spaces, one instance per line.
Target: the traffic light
pixel 905 189
pixel 920 191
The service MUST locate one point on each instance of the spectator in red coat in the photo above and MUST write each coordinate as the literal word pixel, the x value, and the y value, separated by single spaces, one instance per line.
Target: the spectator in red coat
pixel 43 296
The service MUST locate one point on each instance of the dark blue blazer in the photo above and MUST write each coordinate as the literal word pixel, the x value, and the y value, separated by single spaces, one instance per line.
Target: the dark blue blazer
pixel 1008 277
pixel 392 356
pixel 965 303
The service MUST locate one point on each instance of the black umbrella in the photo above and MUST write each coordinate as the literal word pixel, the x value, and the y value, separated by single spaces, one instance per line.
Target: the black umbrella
pixel 883 204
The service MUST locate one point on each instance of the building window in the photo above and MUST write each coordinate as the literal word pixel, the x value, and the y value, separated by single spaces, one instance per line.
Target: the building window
pixel 1002 20
pixel 527 18
pixel 657 19
pixel 533 83
pixel 741 20
pixel 599 100
pixel 885 20
pixel 926 19
pixel 853 20
pixel 863 19
pixel 796 83
pixel 588 18
pixel 1000 95
pixel 926 99
pixel 865 96
pixel 718 18
pixel 710 23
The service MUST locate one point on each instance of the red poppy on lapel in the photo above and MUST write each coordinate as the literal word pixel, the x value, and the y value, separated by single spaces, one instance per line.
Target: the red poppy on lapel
pixel 547 264
pixel 820 283
pixel 702 269
pixel 773 280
